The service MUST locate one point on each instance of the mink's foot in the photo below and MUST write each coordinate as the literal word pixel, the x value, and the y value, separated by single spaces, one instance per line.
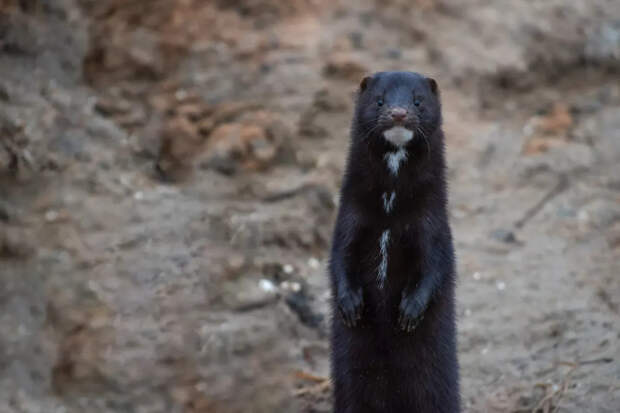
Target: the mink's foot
pixel 411 312
pixel 350 303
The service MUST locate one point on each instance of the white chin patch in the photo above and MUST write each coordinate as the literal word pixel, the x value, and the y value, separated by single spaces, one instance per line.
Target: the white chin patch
pixel 398 135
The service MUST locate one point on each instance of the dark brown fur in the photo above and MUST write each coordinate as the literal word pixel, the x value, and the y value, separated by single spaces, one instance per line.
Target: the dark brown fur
pixel 394 348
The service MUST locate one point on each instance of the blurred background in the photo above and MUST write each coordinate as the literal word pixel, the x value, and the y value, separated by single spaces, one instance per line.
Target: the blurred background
pixel 169 174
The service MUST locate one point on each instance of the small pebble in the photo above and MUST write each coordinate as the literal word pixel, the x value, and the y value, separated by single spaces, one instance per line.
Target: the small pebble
pixel 138 196
pixel 504 235
pixel 267 285
pixel 314 263
pixel 22 331
pixel 288 269
pixel 394 54
pixel 476 276
pixel 51 216
pixel 323 160
pixel 236 262
pixel 180 94
pixel 291 286
pixel 467 312
pixel 201 386
pixel 501 285
pixel 356 40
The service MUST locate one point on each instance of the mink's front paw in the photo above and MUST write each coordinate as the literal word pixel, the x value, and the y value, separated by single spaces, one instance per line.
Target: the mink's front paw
pixel 411 312
pixel 350 303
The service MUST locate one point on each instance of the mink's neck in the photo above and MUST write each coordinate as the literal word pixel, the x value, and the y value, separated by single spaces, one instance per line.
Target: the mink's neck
pixel 376 167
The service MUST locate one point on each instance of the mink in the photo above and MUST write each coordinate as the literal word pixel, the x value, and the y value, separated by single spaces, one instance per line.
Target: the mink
pixel 392 263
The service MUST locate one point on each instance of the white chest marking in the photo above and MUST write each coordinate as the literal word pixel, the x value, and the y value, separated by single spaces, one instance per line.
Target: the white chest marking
pixel 394 159
pixel 388 201
pixel 398 136
pixel 383 248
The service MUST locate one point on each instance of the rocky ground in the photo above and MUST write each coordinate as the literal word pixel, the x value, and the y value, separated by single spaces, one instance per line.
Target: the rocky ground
pixel 168 182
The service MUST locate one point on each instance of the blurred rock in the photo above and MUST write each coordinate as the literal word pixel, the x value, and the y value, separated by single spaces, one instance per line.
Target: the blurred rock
pixel 329 101
pixel 559 157
pixel 6 211
pixel 179 147
pixel 267 10
pixel 538 145
pixel 309 125
pixel 325 100
pixel 220 163
pixel 248 294
pixel 109 106
pixel 15 243
pixel 605 144
pixel 263 151
pixel 344 66
pixel 225 140
pixel 300 304
pixel 255 141
pixel 549 130
pixel 14 146
pixel 557 122
pixel 602 213
pixel 603 42
pixel 504 235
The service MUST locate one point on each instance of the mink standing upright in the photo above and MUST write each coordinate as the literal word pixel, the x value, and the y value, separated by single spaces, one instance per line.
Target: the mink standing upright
pixel 392 263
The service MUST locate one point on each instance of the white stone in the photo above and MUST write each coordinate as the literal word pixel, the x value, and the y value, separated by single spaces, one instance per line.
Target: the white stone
pixel 51 216
pixel 267 285
pixel 314 263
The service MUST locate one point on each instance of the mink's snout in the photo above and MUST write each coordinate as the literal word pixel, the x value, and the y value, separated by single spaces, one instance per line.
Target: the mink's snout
pixel 398 114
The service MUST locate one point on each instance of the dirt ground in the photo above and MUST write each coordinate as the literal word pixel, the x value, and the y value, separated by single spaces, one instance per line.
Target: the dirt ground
pixel 169 174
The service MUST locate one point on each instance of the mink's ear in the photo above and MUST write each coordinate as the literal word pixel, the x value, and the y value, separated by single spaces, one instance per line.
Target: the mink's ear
pixel 364 83
pixel 433 84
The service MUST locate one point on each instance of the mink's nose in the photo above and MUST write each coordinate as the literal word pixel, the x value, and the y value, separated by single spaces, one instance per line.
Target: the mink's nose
pixel 398 114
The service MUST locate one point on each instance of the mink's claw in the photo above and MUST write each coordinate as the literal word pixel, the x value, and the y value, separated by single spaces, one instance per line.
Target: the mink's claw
pixel 350 304
pixel 411 313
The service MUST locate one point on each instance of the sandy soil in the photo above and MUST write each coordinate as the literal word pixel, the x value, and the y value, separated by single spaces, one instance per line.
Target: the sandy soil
pixel 168 182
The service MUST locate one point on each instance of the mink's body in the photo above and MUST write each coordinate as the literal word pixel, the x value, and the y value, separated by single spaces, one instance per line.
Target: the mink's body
pixel 392 260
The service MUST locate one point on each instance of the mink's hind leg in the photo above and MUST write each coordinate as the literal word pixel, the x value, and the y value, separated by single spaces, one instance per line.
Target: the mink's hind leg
pixel 358 370
pixel 424 373
pixel 361 392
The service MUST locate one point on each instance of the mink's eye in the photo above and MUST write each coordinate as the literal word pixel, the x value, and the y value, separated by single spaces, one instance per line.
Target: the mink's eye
pixel 380 102
pixel 417 101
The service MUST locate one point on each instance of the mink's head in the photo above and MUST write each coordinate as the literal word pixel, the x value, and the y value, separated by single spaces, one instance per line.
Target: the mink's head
pixel 398 107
